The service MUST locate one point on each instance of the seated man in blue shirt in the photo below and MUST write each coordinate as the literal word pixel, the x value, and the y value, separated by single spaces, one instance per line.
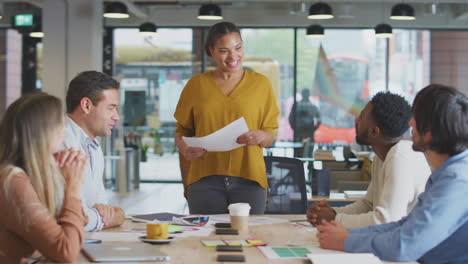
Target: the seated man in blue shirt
pixel 436 230
pixel 92 102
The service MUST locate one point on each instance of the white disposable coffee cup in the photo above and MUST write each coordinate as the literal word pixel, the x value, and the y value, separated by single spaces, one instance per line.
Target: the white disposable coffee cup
pixel 239 214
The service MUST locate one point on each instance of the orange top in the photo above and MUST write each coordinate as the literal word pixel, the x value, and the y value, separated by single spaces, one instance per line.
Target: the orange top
pixel 26 225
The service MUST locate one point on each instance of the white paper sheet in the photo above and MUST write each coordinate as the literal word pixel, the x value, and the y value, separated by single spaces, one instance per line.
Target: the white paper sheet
pixel 306 225
pixel 221 140
pixel 349 258
pixel 198 231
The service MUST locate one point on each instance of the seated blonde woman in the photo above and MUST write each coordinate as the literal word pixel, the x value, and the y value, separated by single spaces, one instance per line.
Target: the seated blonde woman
pixel 39 185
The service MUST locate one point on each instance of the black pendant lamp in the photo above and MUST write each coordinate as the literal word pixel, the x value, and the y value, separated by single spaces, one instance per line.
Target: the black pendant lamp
pixel 116 10
pixel 36 31
pixel 402 11
pixel 320 10
pixel 148 29
pixel 383 31
pixel 315 31
pixel 210 12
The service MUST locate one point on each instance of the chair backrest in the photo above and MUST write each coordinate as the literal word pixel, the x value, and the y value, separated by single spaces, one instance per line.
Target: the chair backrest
pixel 343 175
pixel 287 188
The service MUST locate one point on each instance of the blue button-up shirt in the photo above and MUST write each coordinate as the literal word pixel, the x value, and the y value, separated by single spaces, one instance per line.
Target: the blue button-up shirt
pixel 436 230
pixel 92 187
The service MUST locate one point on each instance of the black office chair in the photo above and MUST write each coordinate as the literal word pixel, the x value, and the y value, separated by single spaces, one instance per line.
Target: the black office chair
pixel 287 188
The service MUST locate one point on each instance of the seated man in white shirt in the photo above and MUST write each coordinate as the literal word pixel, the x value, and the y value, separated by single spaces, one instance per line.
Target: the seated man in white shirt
pixel 92 101
pixel 398 173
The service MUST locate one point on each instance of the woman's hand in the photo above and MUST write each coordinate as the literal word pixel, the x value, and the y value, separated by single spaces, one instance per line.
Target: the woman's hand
pixel 256 137
pixel 72 164
pixel 191 153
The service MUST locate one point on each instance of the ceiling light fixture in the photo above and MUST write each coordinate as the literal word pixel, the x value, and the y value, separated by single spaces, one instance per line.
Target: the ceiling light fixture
pixel 383 31
pixel 402 11
pixel 148 29
pixel 315 31
pixel 209 12
pixel 116 10
pixel 320 10
pixel 36 31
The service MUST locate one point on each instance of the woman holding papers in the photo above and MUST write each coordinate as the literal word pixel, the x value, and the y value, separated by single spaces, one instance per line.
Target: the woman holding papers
pixel 39 193
pixel 209 102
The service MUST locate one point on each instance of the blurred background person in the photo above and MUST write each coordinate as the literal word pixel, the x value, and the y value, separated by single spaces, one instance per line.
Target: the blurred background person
pixel 305 119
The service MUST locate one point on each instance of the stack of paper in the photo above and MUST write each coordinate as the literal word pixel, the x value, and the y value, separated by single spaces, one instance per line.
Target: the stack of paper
pixel 224 139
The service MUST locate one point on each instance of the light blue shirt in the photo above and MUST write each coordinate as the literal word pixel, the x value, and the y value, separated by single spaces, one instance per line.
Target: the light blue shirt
pixel 436 230
pixel 92 188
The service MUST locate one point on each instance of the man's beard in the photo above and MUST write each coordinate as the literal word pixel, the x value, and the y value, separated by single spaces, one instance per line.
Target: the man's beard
pixel 361 139
pixel 418 145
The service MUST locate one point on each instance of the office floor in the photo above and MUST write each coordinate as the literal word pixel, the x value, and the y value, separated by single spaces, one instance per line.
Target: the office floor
pixel 151 198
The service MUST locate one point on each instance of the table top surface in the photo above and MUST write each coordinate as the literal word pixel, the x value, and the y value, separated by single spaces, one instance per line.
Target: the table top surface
pixel 191 250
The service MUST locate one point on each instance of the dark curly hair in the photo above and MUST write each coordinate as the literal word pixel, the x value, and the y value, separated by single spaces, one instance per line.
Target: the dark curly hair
pixel 391 113
pixel 443 111
pixel 88 84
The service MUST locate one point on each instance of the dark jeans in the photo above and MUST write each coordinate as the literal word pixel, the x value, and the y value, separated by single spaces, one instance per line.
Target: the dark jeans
pixel 213 194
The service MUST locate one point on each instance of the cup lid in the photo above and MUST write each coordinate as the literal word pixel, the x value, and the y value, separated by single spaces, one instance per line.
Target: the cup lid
pixel 240 209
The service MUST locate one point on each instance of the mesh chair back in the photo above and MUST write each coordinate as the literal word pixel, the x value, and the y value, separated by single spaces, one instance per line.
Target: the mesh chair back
pixel 287 189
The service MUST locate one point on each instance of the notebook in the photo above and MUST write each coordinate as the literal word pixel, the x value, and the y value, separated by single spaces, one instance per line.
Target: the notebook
pixel 123 251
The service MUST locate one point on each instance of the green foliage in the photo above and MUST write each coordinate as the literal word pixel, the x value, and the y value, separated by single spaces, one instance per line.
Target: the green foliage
pixel 144 148
pixel 154 134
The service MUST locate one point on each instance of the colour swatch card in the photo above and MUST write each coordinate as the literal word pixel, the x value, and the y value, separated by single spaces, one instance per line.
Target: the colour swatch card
pixel 285 252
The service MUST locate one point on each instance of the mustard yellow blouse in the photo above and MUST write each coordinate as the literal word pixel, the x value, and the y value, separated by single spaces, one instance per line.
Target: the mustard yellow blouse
pixel 203 109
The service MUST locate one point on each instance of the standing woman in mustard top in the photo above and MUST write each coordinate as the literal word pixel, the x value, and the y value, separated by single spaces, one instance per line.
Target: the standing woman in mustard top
pixel 39 184
pixel 211 101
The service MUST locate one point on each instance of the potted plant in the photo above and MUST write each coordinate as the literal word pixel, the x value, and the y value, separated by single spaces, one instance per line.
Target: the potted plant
pixel 158 150
pixel 144 153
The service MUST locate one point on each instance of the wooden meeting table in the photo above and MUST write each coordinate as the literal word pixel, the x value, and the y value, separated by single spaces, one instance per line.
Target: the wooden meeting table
pixel 191 250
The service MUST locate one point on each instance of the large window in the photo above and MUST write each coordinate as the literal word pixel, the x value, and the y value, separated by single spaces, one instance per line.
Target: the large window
pixel 340 71
pixel 271 52
pixel 339 74
pixel 347 67
pixel 154 71
pixel 409 62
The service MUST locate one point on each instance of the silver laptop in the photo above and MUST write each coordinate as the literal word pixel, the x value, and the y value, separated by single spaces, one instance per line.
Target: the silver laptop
pixel 123 251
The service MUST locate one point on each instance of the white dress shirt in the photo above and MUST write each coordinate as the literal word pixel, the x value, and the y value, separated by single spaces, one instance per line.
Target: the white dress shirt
pixel 393 191
pixel 92 188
